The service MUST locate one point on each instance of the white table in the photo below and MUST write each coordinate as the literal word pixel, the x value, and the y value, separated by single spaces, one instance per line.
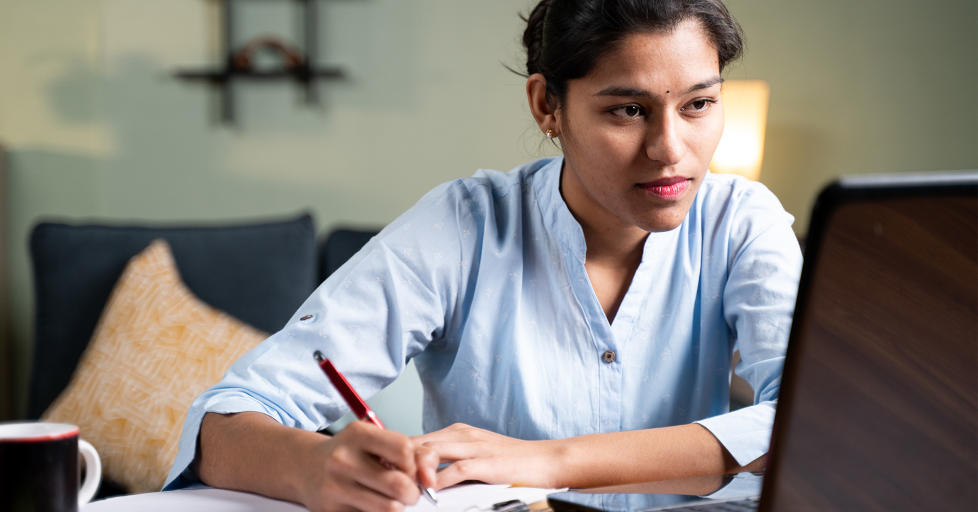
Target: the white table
pixel 191 500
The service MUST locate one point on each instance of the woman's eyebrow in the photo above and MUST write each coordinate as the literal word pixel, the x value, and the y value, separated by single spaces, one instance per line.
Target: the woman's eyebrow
pixel 631 92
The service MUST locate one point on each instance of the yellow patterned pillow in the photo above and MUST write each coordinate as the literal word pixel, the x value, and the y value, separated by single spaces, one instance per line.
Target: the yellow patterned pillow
pixel 156 347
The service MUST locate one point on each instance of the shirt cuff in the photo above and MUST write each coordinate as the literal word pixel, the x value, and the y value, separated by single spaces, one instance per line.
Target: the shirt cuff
pixel 741 485
pixel 745 433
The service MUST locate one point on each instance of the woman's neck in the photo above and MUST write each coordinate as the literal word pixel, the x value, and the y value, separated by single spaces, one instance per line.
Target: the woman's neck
pixel 609 240
pixel 610 246
pixel 613 257
pixel 614 247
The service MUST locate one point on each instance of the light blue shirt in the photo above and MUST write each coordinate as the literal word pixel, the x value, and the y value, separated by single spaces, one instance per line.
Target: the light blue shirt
pixel 482 283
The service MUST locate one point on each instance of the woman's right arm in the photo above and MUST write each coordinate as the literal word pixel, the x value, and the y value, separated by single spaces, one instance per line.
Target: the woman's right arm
pixel 255 430
pixel 250 451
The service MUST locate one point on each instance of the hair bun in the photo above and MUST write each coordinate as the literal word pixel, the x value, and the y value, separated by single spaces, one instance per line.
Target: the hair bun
pixel 533 36
pixel 564 39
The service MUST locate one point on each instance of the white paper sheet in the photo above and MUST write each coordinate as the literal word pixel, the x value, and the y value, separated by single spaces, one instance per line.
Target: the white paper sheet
pixel 480 497
pixel 462 498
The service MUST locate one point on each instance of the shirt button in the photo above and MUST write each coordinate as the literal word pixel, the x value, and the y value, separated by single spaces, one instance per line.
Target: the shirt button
pixel 609 356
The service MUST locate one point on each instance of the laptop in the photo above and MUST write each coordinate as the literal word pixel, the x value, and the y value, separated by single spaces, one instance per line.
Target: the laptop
pixel 878 408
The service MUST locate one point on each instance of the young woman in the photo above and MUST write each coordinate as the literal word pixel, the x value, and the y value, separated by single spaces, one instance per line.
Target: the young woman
pixel 572 320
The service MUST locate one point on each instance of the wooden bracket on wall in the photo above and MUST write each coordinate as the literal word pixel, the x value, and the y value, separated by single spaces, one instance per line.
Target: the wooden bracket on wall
pixel 238 63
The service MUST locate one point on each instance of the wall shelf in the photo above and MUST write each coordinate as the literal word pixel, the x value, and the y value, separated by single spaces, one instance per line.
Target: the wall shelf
pixel 302 70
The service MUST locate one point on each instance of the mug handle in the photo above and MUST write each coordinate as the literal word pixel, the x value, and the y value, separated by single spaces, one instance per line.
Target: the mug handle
pixel 93 472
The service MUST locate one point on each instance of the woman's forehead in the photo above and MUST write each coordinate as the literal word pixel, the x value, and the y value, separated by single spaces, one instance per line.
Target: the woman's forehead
pixel 676 60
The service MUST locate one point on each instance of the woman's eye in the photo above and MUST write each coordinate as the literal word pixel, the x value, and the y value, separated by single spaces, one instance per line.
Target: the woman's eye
pixel 698 106
pixel 628 111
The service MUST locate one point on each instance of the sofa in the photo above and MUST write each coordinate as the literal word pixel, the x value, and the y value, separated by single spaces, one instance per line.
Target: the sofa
pixel 256 272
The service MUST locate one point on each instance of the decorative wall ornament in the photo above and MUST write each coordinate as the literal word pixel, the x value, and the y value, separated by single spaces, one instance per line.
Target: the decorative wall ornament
pixel 240 63
pixel 243 59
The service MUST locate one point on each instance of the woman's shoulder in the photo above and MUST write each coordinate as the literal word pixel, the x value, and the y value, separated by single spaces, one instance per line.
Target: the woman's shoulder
pixel 728 197
pixel 500 184
pixel 730 188
pixel 731 207
pixel 488 189
pixel 473 200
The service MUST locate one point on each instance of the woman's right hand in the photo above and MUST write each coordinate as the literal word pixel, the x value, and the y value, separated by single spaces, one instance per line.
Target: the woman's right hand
pixel 366 468
pixel 361 468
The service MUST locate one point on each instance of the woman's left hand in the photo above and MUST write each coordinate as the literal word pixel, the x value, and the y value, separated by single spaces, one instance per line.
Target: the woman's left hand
pixel 477 454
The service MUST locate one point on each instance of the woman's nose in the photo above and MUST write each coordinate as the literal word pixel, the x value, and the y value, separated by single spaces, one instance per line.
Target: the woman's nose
pixel 664 143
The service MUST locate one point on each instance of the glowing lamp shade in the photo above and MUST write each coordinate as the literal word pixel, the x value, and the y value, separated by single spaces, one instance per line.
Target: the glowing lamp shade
pixel 742 145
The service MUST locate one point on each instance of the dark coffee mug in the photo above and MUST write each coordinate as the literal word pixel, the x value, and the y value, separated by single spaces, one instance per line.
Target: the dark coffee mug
pixel 39 468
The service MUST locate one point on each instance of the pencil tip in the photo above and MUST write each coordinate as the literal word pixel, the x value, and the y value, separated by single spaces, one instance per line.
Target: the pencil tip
pixel 319 356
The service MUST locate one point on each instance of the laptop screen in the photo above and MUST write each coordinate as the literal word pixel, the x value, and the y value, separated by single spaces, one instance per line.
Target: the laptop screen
pixel 879 402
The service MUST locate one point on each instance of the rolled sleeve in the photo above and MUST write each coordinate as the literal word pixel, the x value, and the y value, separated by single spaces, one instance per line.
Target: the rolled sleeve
pixel 371 317
pixel 742 485
pixel 758 303
pixel 256 383
pixel 222 402
pixel 745 433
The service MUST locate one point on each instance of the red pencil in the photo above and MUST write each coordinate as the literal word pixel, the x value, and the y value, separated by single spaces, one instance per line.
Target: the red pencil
pixel 357 405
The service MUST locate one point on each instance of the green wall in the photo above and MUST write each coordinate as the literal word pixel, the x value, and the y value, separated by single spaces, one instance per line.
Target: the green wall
pixel 862 86
pixel 97 127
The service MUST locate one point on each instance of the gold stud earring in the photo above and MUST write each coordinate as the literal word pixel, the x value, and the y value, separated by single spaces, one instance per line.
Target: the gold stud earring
pixel 550 134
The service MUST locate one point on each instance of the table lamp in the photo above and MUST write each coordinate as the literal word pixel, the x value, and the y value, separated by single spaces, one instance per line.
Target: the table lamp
pixel 742 145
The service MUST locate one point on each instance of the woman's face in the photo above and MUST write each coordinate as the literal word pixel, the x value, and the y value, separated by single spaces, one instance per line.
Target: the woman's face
pixel 638 131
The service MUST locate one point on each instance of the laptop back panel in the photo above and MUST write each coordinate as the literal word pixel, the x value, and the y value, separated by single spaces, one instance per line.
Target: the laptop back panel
pixel 878 409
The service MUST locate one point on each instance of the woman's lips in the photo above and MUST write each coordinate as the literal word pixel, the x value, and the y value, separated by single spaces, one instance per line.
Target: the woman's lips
pixel 667 188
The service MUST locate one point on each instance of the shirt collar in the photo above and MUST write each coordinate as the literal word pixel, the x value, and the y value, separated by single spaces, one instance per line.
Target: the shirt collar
pixel 565 228
pixel 558 219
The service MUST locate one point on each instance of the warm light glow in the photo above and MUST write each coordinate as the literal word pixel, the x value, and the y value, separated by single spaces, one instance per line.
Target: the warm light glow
pixel 745 116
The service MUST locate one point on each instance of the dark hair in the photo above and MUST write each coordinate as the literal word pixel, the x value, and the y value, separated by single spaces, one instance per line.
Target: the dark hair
pixel 565 38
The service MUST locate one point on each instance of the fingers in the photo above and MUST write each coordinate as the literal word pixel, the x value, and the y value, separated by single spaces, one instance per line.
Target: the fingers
pixel 452 432
pixel 359 484
pixel 449 451
pixel 363 462
pixel 393 447
pixel 391 483
pixel 426 460
pixel 348 466
pixel 482 470
pixel 366 499
pixel 461 441
pixel 455 432
pixel 481 455
pixel 472 451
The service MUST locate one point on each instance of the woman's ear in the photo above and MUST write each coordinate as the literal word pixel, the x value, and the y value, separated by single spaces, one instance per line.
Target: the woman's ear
pixel 541 106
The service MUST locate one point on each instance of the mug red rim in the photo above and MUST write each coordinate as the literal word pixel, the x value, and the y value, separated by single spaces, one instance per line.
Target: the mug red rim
pixel 69 432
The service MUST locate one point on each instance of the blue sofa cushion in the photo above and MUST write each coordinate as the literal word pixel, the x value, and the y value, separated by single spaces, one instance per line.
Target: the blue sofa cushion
pixel 258 272
pixel 339 246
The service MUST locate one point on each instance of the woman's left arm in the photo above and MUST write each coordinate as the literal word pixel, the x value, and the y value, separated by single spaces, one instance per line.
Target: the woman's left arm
pixel 585 461
pixel 763 268
pixel 763 263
